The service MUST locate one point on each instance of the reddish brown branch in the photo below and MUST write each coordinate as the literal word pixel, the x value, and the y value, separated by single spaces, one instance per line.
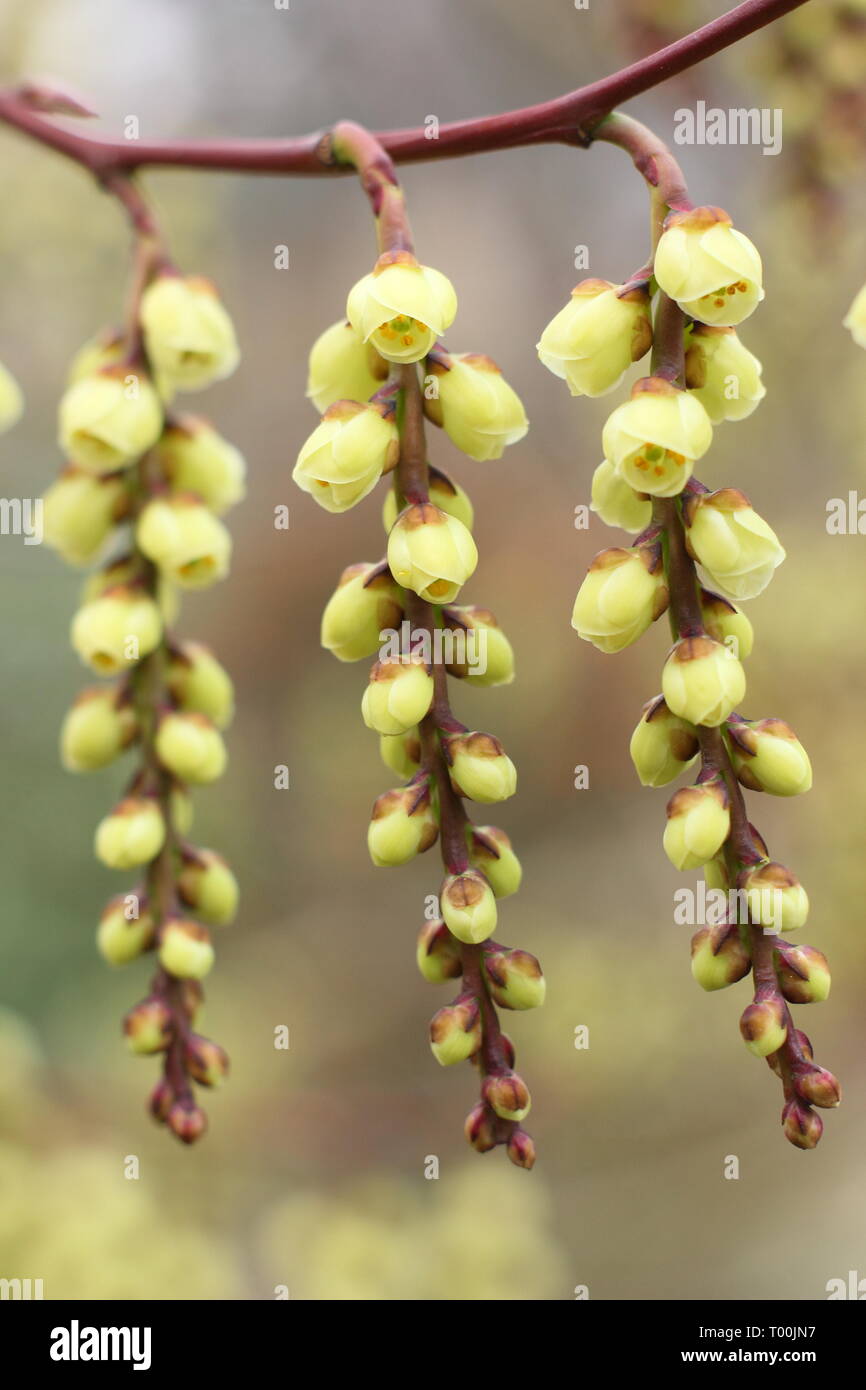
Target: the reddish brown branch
pixel 565 120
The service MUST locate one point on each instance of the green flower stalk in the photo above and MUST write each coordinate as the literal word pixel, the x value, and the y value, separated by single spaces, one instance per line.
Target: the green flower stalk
pixel 698 555
pixel 395 317
pixel 165 479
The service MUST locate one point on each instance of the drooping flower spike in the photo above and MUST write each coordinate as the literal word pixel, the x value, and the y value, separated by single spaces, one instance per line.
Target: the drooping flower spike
pixel 366 377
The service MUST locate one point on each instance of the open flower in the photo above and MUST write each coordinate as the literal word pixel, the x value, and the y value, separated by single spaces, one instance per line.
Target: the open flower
pixel 184 538
pixel 655 438
pixel 474 404
pixel 401 307
pixel 188 334
pixel 431 552
pixel 80 512
pixel 732 542
pixel 113 632
pixel 108 420
pixel 593 341
pixel 722 374
pixel 346 455
pixel 710 269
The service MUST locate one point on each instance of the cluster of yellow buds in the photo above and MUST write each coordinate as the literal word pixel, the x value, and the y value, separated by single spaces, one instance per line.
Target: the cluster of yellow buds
pixel 698 555
pixel 373 377
pixel 150 485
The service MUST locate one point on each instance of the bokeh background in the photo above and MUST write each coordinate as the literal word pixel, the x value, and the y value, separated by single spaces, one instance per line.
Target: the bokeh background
pixel 312 1176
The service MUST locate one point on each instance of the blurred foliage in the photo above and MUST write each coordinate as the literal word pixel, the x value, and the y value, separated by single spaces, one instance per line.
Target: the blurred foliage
pixel 312 1174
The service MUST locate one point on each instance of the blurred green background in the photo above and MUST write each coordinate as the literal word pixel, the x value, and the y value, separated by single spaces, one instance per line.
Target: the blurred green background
pixel 312 1176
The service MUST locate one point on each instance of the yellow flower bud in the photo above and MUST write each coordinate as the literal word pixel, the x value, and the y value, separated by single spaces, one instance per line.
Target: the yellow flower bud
pixel 734 545
pixel 455 1032
pixel 726 623
pixel 189 746
pixel 148 1026
pixel 188 334
pixel 768 757
pixel 107 349
pixel 662 746
pixel 185 539
pixel 401 752
pixel 654 439
pixel 763 1026
pixel 195 458
pixel 365 603
pixel 474 404
pixel 127 572
pixel 398 696
pixel 623 593
pixel 616 503
pixel 80 511
pixel 488 656
pixel 722 374
pixel 11 400
pixel 702 681
pixel 108 420
pixel 198 682
pixel 121 939
pixel 698 824
pixel 855 319
pixel 480 768
pixel 343 367
pixel 515 979
pixel 490 852
pixel 185 949
pixel 401 308
pixel 208 886
pixel 438 954
pixel 508 1095
pixel 593 341
pixel 131 835
pixel 804 975
pixel 712 270
pixel 775 897
pixel 443 492
pixel 719 957
pixel 347 453
pixel 431 552
pixel 96 730
pixel 468 906
pixel 402 825
pixel 114 632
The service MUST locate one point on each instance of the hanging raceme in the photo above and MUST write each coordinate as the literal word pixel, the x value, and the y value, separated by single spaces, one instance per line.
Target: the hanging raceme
pixel 697 555
pixel 152 482
pixel 364 378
